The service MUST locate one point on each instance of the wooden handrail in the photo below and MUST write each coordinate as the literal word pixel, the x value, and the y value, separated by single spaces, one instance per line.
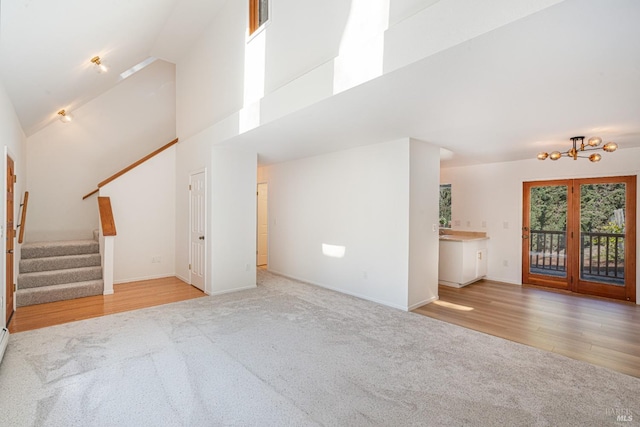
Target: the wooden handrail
pixel 90 194
pixel 106 217
pixel 131 166
pixel 23 217
pixel 138 163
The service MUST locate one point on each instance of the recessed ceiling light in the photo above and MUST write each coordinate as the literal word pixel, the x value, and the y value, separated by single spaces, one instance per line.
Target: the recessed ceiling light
pixel 131 71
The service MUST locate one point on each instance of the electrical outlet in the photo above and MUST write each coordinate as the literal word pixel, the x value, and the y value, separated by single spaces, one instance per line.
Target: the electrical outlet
pixel 484 224
pixel 156 260
pixel 505 263
pixel 247 267
pixel 505 225
pixel 365 275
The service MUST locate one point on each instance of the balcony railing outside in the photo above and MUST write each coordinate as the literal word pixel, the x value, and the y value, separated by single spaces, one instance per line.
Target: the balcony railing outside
pixel 601 254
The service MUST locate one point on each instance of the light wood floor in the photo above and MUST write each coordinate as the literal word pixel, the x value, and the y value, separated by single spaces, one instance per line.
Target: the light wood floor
pixel 126 297
pixel 596 330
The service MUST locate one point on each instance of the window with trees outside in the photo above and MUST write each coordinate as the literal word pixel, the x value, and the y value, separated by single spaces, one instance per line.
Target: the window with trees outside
pixel 258 14
pixel 445 205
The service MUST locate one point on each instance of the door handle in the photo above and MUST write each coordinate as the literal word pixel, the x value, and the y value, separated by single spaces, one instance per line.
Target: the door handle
pixel 525 228
pixel 201 237
pixel 524 236
pixel 10 251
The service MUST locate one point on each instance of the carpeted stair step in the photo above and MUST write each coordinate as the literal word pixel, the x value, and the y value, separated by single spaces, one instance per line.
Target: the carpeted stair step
pixel 53 249
pixel 31 265
pixel 59 292
pixel 56 277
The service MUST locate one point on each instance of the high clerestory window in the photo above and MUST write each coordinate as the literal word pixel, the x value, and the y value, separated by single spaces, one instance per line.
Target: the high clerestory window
pixel 258 14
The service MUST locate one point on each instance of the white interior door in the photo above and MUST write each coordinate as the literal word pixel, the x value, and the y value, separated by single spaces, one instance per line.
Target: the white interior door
pixel 263 226
pixel 197 187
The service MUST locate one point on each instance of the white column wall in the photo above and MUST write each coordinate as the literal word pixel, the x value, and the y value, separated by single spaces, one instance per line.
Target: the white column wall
pixel 232 207
pixel 423 223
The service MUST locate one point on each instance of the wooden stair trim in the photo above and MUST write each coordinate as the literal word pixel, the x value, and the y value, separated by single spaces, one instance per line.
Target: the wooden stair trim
pixel 23 217
pixel 138 163
pixel 106 217
pixel 128 168
pixel 90 194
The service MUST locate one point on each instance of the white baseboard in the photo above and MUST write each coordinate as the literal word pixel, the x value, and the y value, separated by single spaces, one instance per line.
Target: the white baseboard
pixel 139 279
pixel 184 279
pixel 425 302
pixel 342 291
pixel 4 341
pixel 228 291
pixel 506 281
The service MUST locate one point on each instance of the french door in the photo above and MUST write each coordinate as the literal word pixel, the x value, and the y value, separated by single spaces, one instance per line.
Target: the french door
pixel 579 235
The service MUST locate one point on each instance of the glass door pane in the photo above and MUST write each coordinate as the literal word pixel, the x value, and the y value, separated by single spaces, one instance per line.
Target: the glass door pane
pixel 548 231
pixel 546 243
pixel 602 233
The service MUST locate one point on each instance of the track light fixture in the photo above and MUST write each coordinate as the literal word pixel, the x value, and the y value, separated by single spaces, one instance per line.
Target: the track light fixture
pixel 574 152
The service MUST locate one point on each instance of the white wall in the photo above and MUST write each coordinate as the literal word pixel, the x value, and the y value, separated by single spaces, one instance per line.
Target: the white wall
pixel 492 193
pixel 209 76
pixel 356 198
pixel 424 188
pixel 12 137
pixel 310 51
pixel 192 155
pixel 448 23
pixel 229 83
pixel 110 132
pixel 144 205
pixel 232 207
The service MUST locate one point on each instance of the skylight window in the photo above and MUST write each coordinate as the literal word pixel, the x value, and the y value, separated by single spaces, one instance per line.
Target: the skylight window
pixel 131 71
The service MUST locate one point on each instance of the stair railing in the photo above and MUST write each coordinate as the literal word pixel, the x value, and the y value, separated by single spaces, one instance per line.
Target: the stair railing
pixel 23 216
pixel 128 168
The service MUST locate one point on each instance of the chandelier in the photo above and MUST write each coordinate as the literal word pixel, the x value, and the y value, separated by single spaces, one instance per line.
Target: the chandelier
pixel 579 147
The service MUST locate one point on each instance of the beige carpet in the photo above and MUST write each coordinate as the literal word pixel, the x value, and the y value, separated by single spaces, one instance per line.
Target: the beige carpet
pixel 288 353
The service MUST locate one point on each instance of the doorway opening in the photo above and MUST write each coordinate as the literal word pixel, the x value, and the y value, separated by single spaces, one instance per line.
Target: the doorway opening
pixel 579 235
pixel 262 229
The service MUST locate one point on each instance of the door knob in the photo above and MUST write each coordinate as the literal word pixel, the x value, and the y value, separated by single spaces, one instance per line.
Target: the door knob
pixel 201 237
pixel 10 251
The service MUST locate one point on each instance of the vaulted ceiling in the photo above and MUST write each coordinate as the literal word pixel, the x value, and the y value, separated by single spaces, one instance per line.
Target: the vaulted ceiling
pixel 573 68
pixel 46 47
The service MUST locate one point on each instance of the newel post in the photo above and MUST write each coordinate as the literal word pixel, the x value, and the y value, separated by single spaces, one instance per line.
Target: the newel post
pixel 107 241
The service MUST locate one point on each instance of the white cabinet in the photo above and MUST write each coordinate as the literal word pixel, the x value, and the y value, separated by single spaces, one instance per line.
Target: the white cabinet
pixel 462 261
